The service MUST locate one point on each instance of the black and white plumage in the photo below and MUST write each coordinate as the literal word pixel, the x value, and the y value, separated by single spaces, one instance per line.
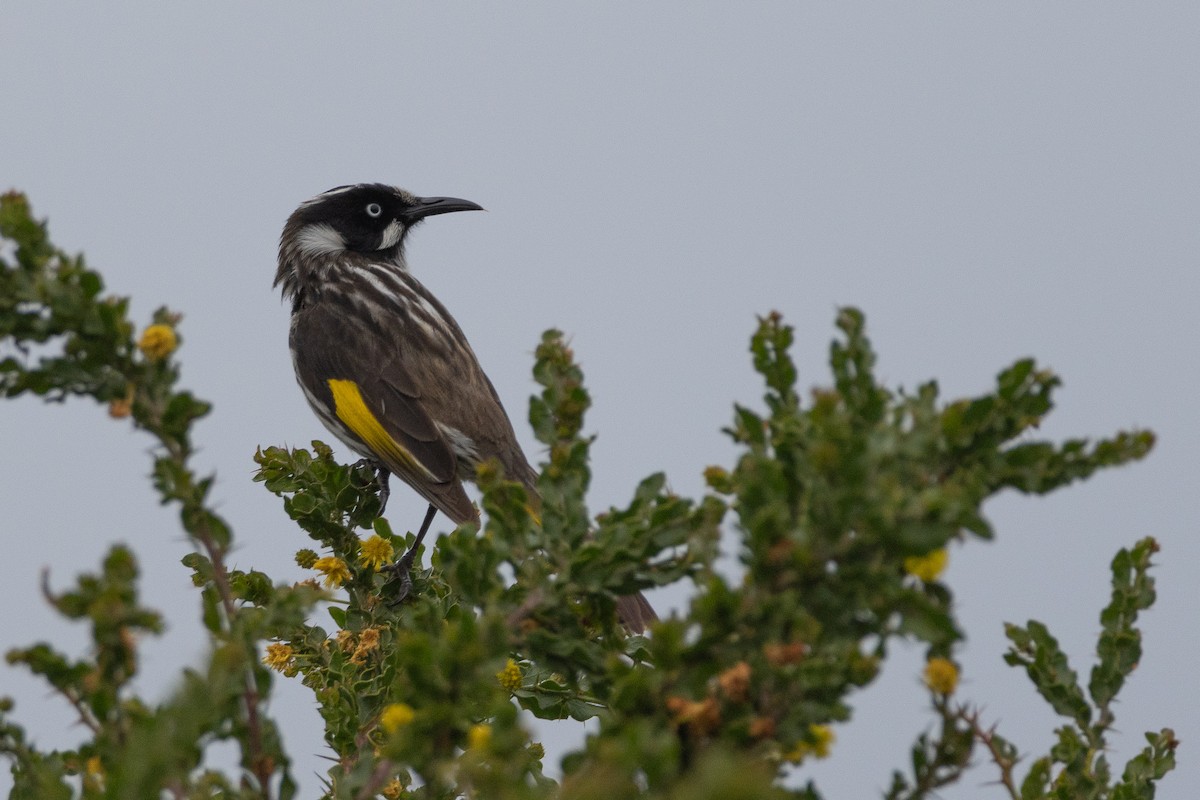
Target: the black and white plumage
pixel 382 362
pixel 359 315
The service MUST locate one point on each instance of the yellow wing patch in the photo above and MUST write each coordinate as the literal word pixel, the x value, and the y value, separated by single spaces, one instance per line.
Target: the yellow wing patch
pixel 350 408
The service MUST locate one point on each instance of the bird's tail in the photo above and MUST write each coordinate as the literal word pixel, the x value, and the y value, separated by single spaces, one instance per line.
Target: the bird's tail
pixel 633 610
pixel 635 613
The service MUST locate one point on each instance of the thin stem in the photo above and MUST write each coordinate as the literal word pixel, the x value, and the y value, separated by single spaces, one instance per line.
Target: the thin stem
pixel 254 756
pixel 250 697
pixel 988 738
pixel 85 713
pixel 379 778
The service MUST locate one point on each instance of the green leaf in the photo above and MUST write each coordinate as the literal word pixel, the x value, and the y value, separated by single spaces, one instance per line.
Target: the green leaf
pixel 338 615
pixel 1037 780
pixel 212 609
pixel 1120 644
pixel 1048 668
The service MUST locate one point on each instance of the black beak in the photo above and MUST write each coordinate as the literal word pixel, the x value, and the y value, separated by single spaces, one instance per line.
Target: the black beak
pixel 428 206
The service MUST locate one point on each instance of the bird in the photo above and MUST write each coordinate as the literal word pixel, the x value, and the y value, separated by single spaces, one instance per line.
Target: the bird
pixel 385 366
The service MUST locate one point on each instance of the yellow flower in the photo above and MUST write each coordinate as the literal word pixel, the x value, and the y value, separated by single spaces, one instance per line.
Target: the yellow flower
pixel 280 657
pixel 702 716
pixel 368 642
pixel 479 736
pixel 334 569
pixel 396 716
pixel 369 638
pixel 929 566
pixel 735 681
pixel 941 675
pixel 93 775
pixel 779 655
pixel 510 676
pixel 719 479
pixel 394 790
pixel 375 552
pixel 824 738
pixel 818 744
pixel 158 341
pixel 122 407
pixel 762 728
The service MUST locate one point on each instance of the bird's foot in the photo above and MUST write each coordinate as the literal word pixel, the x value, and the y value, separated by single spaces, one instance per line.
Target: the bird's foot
pixel 403 566
pixel 401 570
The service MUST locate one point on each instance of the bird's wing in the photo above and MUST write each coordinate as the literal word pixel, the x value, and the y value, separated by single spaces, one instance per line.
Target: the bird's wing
pixel 363 385
pixel 462 399
pixel 441 369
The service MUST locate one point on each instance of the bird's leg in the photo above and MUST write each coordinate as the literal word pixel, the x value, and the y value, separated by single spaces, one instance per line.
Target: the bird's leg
pixel 385 491
pixel 404 565
pixel 381 476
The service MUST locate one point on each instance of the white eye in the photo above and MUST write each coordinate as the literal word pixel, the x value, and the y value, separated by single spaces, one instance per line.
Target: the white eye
pixel 374 209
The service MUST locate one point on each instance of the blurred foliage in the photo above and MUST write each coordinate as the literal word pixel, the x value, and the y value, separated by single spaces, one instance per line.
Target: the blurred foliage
pixel 843 507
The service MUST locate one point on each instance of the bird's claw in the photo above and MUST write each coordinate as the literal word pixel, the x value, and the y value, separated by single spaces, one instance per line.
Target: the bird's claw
pixel 402 568
pixel 403 565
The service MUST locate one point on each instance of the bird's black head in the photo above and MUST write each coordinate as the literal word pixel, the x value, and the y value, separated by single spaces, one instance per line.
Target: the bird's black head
pixel 365 217
pixel 368 218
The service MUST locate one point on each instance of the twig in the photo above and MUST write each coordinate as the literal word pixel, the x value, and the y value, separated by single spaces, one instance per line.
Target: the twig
pixel 383 772
pixel 85 713
pixel 260 766
pixel 988 738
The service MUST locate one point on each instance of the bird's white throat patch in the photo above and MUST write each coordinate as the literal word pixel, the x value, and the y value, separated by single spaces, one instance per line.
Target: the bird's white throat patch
pixel 319 238
pixel 391 235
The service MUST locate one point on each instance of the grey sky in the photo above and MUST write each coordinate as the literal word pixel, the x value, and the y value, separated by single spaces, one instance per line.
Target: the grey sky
pixel 985 182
